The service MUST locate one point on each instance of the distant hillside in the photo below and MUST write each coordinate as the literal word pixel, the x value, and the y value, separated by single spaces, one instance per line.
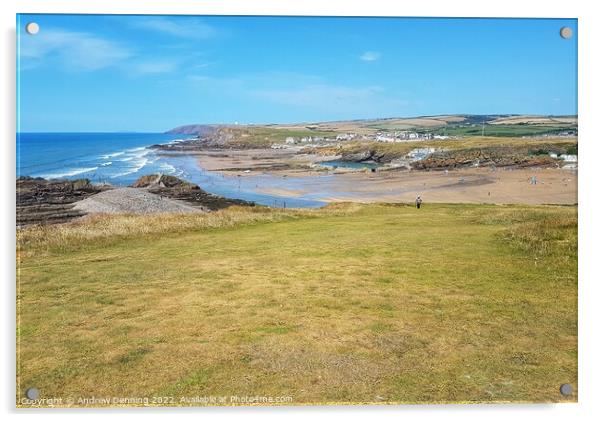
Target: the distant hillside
pixel 460 124
pixel 193 130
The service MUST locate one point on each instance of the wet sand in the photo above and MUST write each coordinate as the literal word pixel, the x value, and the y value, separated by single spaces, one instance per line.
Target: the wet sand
pixel 470 185
pixel 554 186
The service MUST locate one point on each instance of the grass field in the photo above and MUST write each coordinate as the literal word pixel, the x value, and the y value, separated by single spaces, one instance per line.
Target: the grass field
pixel 351 303
pixel 471 130
pixel 265 136
pixel 459 125
pixel 504 130
pixel 465 126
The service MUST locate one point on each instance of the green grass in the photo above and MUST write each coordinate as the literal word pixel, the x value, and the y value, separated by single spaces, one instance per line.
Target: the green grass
pixel 502 130
pixel 264 137
pixel 352 303
pixel 473 126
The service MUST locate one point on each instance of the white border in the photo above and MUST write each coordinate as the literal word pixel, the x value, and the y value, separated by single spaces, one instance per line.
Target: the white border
pixel 589 192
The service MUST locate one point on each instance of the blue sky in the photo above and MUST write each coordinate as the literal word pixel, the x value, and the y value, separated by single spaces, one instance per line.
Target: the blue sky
pixel 151 73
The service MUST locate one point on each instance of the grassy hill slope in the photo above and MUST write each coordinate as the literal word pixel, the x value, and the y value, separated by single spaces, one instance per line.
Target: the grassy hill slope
pixel 375 303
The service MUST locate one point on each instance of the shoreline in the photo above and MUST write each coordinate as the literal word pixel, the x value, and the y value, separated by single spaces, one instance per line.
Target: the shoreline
pixel 41 201
pixel 293 177
pixel 236 163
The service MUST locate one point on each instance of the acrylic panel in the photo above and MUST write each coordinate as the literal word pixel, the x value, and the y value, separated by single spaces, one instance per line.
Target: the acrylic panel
pixel 248 210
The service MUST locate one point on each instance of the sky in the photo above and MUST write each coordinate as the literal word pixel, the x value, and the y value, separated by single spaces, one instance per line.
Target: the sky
pixel 94 73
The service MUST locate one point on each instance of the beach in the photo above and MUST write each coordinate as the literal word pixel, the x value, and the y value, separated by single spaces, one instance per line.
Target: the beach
pixel 285 173
pixel 300 175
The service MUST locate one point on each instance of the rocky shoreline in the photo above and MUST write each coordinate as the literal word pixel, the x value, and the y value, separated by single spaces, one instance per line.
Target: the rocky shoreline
pixel 210 137
pixel 178 189
pixel 41 201
pixel 540 153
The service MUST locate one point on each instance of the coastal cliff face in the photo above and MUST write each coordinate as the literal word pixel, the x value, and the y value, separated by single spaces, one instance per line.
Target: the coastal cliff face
pixel 217 137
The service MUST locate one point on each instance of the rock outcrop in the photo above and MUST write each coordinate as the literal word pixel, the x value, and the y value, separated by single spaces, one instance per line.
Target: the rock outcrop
pixel 175 188
pixel 498 157
pixel 41 201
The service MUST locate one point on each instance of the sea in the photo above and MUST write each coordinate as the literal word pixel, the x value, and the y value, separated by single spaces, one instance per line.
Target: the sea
pixel 121 158
pixel 116 158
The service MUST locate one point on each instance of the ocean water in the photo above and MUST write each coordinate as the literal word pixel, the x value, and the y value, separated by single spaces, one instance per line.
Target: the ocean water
pixel 115 158
pixel 121 158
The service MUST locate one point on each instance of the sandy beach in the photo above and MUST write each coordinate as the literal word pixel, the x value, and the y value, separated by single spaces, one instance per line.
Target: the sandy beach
pixel 469 185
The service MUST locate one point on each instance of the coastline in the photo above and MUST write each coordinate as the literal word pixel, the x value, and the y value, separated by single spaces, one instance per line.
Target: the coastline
pixel 292 176
pixel 295 177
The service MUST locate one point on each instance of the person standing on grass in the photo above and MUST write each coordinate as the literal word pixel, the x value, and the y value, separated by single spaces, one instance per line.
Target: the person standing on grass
pixel 418 202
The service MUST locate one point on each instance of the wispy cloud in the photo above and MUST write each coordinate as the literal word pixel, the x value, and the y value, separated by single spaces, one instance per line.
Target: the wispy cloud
pixel 192 28
pixel 77 50
pixel 299 91
pixel 370 56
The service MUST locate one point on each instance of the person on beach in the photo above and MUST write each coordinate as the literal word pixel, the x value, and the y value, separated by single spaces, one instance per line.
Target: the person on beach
pixel 418 202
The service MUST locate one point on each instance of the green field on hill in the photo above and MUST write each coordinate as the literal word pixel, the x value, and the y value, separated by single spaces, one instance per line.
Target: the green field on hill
pixel 504 130
pixel 349 303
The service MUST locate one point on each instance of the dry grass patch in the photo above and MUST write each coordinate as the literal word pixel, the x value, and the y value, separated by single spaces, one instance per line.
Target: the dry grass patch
pixel 351 303
pixel 97 229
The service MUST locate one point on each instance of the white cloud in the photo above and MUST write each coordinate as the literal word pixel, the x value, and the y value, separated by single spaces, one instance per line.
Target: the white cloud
pixel 78 50
pixel 370 56
pixel 87 52
pixel 183 28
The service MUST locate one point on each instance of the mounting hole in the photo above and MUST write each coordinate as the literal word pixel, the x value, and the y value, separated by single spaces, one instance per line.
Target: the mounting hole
pixel 566 389
pixel 566 32
pixel 32 393
pixel 32 28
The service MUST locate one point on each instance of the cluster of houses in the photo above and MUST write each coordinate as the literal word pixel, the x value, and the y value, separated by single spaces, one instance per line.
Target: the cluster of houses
pixel 402 136
pixel 348 136
pixel 563 134
pixel 405 136
pixel 305 140
pixel 317 139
